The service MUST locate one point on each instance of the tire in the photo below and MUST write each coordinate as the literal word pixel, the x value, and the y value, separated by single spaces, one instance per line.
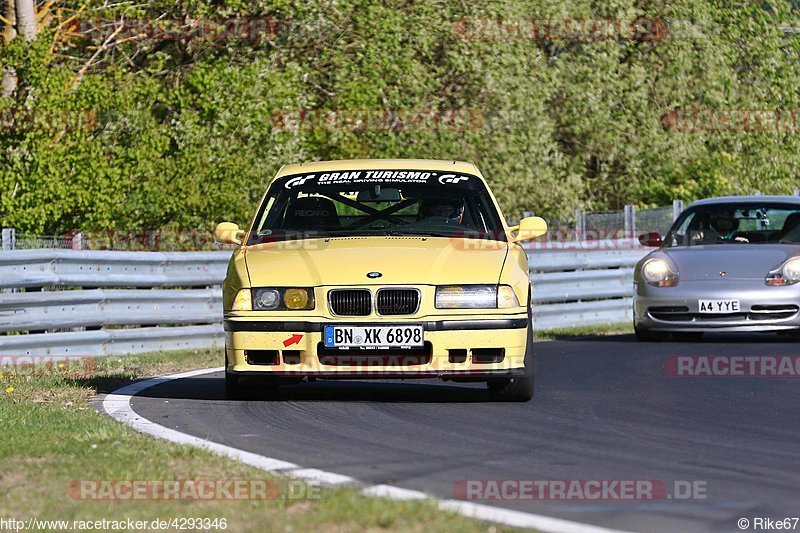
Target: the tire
pixel 647 335
pixel 233 387
pixel 688 336
pixel 520 388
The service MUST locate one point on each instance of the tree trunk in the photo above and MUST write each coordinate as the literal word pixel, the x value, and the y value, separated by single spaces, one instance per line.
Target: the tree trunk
pixel 27 25
pixel 9 80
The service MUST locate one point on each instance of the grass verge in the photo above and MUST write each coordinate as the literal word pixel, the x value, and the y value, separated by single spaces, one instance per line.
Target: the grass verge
pixel 623 328
pixel 52 437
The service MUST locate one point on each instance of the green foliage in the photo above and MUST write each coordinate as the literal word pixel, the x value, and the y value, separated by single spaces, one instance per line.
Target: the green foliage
pixel 185 132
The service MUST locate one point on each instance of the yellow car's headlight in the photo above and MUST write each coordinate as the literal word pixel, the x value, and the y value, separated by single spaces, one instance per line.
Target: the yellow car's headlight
pixel 475 297
pixel 267 299
pixel 298 299
pixel 274 299
pixel 506 297
pixel 243 301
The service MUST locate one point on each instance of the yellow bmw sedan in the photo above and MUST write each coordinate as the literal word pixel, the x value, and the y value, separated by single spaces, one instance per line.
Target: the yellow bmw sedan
pixel 379 269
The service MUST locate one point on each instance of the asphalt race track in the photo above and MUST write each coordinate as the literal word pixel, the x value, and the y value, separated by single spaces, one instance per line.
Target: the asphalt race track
pixel 604 409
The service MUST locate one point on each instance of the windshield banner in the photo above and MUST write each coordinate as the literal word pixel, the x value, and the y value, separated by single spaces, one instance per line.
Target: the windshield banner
pixel 378 177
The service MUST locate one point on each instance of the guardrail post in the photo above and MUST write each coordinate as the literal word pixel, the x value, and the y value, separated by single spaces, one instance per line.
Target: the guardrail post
pixel 796 192
pixel 77 241
pixel 9 238
pixel 630 221
pixel 580 224
pixel 677 209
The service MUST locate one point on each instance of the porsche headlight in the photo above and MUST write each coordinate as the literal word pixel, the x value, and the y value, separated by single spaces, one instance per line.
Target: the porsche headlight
pixel 475 297
pixel 659 273
pixel 791 270
pixel 787 274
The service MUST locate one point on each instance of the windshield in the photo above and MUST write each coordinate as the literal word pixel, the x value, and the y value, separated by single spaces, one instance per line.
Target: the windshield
pixel 736 223
pixel 376 202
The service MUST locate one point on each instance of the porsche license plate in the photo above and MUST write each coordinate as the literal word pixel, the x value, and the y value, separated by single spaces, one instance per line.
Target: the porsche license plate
pixel 719 307
pixel 374 336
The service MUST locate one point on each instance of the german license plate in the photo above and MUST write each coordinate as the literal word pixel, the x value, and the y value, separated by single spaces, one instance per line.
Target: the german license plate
pixel 719 307
pixel 374 336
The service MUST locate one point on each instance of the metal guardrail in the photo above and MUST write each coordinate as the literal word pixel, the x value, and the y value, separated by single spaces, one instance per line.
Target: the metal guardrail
pixel 583 283
pixel 173 299
pixel 114 341
pixel 557 316
pixel 127 302
pixel 26 311
pixel 68 268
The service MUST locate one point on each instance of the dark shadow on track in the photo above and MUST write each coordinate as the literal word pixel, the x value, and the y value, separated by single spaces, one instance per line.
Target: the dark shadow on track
pixel 212 388
pixel 724 338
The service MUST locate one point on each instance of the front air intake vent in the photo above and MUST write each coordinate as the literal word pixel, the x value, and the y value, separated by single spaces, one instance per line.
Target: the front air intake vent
pixel 350 302
pixel 397 301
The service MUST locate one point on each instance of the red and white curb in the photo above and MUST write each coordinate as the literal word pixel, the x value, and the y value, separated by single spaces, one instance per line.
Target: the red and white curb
pixel 118 405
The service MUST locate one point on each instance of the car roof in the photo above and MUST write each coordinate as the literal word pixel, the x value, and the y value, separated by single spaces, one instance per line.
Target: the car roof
pixel 379 164
pixel 748 199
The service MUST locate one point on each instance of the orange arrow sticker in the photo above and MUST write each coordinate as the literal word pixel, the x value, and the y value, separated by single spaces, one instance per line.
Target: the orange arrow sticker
pixel 294 339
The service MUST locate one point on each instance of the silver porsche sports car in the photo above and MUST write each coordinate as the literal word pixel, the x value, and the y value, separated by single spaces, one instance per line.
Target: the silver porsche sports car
pixel 727 264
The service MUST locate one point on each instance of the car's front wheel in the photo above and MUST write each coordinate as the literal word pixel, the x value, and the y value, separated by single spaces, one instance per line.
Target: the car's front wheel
pixel 688 336
pixel 647 335
pixel 233 387
pixel 520 388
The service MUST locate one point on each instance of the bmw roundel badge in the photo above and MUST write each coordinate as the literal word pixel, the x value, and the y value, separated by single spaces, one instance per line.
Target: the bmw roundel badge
pixel 373 275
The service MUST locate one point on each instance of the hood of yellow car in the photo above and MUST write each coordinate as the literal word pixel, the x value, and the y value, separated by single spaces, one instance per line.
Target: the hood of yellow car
pixel 399 260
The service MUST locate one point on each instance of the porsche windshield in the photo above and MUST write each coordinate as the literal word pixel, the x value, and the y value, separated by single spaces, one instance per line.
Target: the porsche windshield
pixel 736 223
pixel 377 202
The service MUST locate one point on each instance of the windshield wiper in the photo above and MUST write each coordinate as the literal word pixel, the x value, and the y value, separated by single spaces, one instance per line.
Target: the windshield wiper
pixel 351 233
pixel 419 234
pixel 376 233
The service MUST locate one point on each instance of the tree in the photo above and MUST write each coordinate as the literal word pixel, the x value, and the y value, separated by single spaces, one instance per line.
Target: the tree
pixel 185 135
pixel 9 20
pixel 20 18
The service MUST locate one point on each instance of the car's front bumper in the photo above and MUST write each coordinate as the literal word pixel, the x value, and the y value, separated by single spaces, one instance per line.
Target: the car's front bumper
pixel 455 348
pixel 762 307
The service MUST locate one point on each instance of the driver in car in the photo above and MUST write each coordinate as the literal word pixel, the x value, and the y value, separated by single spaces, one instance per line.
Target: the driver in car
pixel 442 211
pixel 722 227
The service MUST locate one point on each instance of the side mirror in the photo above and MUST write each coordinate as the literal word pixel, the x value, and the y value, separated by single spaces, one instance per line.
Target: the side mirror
pixel 530 228
pixel 651 239
pixel 228 233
